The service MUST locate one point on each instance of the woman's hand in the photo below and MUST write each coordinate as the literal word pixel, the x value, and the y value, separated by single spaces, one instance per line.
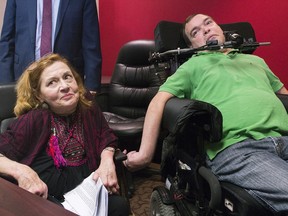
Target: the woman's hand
pixel 26 177
pixel 107 173
pixel 29 180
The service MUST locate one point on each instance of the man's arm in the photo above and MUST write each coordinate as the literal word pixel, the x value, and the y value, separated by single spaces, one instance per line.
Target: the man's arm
pixel 283 90
pixel 153 118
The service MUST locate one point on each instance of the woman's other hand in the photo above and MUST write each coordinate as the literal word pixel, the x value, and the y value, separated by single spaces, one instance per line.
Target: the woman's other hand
pixel 107 172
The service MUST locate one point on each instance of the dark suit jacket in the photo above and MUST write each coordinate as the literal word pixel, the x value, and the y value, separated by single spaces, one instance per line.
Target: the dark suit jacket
pixel 76 37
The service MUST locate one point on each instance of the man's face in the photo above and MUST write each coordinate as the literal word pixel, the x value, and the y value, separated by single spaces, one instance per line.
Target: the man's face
pixel 202 28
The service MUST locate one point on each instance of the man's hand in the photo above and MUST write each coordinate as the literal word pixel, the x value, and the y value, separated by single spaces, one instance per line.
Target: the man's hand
pixel 136 160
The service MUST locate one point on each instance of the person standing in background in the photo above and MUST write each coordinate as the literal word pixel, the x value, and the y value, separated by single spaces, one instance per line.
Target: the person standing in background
pixel 74 34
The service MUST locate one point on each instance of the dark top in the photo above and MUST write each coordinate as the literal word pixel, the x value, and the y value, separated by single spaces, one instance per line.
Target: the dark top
pixel 26 140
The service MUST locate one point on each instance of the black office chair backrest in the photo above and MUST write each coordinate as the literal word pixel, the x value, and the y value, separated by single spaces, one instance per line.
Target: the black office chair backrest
pixel 135 80
pixel 168 35
pixel 7 103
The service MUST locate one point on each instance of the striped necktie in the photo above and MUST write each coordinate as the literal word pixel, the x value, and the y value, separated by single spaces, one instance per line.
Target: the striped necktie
pixel 46 35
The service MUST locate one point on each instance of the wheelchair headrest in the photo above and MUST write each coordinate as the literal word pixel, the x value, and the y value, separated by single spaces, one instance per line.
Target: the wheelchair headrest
pixel 136 53
pixel 168 35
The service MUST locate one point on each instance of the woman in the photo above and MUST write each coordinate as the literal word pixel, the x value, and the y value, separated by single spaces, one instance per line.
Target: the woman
pixel 60 137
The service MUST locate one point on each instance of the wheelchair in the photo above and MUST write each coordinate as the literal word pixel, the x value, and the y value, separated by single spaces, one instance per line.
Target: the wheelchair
pixel 190 187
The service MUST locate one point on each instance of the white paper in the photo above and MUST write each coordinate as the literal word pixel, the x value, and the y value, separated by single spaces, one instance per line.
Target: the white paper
pixel 90 198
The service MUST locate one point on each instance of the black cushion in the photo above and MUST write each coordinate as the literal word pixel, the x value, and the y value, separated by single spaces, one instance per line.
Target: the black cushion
pixel 8 101
pixel 168 36
pixel 135 80
pixel 124 127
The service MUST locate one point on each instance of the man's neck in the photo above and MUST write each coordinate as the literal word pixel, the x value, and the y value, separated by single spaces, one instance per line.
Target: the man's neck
pixel 225 51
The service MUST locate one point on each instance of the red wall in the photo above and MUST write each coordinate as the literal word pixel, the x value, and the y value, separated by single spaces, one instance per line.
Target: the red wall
pixel 125 20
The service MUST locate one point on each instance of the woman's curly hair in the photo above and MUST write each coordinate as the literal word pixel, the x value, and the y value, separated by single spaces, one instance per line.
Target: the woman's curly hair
pixel 28 85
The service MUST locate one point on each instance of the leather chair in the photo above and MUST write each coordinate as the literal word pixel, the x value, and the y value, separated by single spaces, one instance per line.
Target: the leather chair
pixel 134 83
pixel 191 121
pixel 8 100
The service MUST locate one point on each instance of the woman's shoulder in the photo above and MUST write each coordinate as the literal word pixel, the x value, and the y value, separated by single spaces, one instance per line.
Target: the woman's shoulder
pixel 36 115
pixel 33 120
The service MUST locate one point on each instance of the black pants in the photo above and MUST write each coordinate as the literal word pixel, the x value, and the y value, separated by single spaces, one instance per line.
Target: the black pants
pixel 118 206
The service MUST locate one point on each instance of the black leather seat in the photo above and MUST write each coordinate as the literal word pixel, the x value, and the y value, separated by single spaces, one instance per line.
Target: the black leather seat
pixel 134 83
pixel 8 101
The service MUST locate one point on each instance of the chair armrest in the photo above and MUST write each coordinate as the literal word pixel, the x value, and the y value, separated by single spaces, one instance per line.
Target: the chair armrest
pixel 284 100
pixel 119 156
pixel 178 112
pixel 124 127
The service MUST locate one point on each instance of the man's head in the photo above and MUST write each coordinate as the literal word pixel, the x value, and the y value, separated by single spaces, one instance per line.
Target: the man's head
pixel 200 28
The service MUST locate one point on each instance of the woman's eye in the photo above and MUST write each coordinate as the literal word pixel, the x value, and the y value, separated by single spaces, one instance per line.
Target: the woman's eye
pixel 51 83
pixel 68 76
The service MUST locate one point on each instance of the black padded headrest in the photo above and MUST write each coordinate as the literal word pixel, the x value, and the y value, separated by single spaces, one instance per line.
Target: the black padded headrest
pixel 136 53
pixel 8 100
pixel 168 35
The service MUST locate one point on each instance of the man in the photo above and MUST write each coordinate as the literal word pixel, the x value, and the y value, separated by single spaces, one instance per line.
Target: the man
pixel 254 150
pixel 75 35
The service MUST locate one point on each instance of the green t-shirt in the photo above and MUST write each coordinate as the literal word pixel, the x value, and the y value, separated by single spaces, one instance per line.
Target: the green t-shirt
pixel 241 86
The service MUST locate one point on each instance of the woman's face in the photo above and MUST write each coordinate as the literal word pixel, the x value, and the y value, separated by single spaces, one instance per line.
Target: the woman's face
pixel 59 89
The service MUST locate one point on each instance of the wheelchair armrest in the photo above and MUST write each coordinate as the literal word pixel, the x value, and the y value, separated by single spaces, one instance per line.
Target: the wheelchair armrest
pixel 178 112
pixel 284 100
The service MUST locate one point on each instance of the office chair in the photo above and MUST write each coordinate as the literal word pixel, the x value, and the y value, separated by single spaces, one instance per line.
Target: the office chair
pixel 191 188
pixel 133 84
pixel 8 100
